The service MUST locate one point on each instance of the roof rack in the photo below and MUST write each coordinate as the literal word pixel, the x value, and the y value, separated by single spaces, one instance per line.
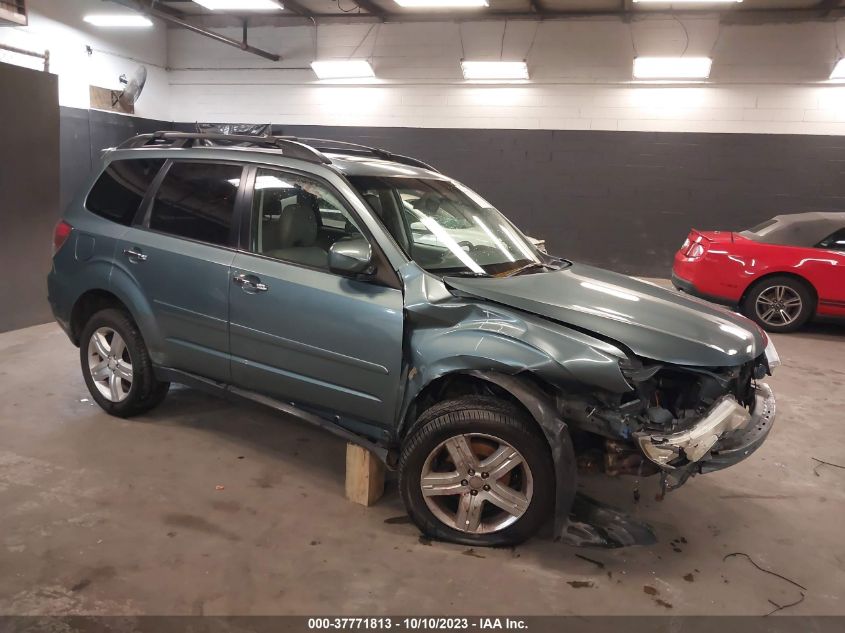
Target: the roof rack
pixel 354 149
pixel 287 146
pixel 310 149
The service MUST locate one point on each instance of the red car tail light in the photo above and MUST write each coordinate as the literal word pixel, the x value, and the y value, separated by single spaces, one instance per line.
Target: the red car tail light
pixel 685 246
pixel 695 251
pixel 60 235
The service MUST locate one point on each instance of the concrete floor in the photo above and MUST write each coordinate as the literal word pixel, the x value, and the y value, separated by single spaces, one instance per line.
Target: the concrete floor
pixel 105 516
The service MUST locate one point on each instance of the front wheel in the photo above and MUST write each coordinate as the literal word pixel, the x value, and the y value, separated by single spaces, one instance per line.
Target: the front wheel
pixel 116 365
pixel 779 303
pixel 476 471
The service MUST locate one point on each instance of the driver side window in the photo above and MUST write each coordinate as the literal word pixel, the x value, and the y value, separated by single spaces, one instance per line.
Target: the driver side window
pixel 297 219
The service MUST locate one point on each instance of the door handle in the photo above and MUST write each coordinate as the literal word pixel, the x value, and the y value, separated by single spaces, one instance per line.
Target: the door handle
pixel 250 283
pixel 133 254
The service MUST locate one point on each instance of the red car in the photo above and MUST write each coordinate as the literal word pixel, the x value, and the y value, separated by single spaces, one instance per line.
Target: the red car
pixel 780 273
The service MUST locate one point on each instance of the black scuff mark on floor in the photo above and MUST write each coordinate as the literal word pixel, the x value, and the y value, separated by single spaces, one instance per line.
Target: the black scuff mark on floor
pixel 198 524
pixel 655 595
pixel 97 573
pixel 595 562
pixel 400 520
pixel 81 585
pixel 580 584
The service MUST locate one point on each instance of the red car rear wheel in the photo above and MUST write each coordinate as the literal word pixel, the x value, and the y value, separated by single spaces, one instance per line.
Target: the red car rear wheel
pixel 779 303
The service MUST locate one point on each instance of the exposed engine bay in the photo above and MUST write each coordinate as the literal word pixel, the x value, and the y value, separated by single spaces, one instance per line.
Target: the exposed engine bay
pixel 674 422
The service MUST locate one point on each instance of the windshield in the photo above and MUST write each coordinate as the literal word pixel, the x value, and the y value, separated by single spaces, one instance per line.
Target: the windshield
pixel 447 228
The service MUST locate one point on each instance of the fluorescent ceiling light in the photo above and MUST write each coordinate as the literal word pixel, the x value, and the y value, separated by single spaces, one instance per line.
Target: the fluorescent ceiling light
pixel 118 19
pixel 343 69
pixel 838 71
pixel 672 67
pixel 688 1
pixel 240 5
pixel 441 4
pixel 494 70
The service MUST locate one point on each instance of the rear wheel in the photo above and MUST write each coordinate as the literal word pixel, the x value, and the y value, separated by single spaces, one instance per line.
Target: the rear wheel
pixel 116 365
pixel 779 303
pixel 475 471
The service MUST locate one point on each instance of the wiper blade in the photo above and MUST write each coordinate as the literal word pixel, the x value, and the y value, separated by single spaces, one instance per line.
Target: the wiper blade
pixel 527 267
pixel 465 273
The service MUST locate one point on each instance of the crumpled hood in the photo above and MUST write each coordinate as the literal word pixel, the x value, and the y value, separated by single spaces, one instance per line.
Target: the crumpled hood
pixel 653 322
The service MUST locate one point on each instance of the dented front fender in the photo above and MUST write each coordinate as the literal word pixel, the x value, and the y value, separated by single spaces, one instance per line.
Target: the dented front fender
pixel 447 334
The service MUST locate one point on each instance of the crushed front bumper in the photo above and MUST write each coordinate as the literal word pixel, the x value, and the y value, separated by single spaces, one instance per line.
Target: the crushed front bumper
pixel 738 445
pixel 726 435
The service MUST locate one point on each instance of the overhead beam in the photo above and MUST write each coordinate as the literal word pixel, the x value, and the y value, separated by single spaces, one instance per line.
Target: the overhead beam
pixel 297 8
pixel 144 7
pixel 754 15
pixel 826 6
pixel 371 7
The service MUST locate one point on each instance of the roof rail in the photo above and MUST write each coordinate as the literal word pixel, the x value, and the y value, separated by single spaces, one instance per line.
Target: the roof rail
pixel 310 149
pixel 287 146
pixel 355 149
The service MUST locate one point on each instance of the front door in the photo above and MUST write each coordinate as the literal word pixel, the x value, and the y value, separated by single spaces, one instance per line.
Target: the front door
pixel 180 257
pixel 298 331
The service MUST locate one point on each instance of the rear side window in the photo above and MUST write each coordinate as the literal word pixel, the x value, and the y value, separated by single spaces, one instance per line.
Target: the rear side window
pixel 835 242
pixel 197 201
pixel 118 192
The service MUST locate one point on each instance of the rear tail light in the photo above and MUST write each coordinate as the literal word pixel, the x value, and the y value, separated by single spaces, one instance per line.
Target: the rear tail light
pixel 685 246
pixel 695 251
pixel 60 235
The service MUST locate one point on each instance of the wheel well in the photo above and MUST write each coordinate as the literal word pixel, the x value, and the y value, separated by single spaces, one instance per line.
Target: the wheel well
pixel 455 385
pixel 87 305
pixel 790 275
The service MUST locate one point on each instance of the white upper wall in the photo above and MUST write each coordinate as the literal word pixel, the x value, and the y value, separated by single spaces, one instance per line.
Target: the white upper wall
pixel 768 78
pixel 57 26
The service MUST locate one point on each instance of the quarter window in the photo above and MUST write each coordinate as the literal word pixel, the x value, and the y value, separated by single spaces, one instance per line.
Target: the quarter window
pixel 118 192
pixel 297 219
pixel 835 242
pixel 197 201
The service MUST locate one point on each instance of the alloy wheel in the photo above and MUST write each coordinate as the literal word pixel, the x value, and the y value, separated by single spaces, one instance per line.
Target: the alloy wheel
pixel 778 305
pixel 110 364
pixel 476 483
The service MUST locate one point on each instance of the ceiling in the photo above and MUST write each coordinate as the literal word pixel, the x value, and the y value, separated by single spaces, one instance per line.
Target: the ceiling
pixel 498 9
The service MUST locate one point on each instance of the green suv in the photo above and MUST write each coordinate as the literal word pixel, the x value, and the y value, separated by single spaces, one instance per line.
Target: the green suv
pixel 376 297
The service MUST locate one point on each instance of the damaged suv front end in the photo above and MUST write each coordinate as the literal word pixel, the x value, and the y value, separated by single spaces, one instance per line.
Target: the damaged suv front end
pixel 681 421
pixel 691 398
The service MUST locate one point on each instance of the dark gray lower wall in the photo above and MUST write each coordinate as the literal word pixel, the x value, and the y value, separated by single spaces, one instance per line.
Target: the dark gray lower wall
pixel 624 200
pixel 46 155
pixel 29 192
pixel 85 133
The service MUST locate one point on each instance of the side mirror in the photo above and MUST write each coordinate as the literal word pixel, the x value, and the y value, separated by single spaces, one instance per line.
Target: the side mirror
pixel 351 256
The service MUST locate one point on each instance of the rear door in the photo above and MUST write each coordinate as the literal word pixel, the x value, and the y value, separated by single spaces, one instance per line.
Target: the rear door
pixel 298 331
pixel 179 255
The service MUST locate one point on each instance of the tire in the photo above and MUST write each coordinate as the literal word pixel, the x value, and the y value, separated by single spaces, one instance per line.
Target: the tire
pixel 113 363
pixel 489 427
pixel 790 312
